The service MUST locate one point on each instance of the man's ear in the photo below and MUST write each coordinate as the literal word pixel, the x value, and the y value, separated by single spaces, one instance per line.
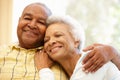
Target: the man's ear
pixel 77 43
pixel 19 18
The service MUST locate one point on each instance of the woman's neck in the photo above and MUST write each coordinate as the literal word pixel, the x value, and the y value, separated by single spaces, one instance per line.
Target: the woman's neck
pixel 70 63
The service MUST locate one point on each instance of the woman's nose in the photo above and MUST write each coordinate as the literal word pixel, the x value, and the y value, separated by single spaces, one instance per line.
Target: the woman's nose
pixel 52 41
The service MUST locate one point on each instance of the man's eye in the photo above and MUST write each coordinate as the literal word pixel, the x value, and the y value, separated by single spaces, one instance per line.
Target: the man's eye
pixel 26 18
pixel 43 23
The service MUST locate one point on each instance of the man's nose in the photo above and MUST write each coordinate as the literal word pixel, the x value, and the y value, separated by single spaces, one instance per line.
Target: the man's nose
pixel 32 24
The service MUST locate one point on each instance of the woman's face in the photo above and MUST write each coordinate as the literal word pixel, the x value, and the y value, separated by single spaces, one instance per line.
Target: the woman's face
pixel 59 42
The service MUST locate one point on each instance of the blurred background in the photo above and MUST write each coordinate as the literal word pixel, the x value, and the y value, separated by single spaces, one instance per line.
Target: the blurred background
pixel 100 18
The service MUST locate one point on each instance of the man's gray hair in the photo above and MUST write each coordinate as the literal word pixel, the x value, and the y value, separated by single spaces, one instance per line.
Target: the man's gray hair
pixel 49 12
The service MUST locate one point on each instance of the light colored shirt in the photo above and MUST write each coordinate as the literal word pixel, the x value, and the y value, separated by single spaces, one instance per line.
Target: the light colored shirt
pixel 107 72
pixel 46 71
pixel 17 63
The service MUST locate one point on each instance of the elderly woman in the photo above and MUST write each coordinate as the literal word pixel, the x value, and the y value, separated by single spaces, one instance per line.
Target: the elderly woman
pixel 63 42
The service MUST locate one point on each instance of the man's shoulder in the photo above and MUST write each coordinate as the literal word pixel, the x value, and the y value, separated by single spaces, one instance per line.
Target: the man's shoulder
pixel 8 46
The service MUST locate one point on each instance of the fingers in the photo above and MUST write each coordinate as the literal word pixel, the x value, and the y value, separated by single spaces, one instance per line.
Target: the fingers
pixel 88 57
pixel 42 60
pixel 88 48
pixel 96 58
pixel 95 66
pixel 94 62
pixel 91 47
pixel 89 62
pixel 36 57
pixel 97 44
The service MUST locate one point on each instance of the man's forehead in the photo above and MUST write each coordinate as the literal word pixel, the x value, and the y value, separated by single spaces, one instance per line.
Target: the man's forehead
pixel 40 7
pixel 34 6
pixel 37 9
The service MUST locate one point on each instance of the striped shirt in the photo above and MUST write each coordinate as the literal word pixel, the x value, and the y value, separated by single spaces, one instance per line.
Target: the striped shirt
pixel 17 63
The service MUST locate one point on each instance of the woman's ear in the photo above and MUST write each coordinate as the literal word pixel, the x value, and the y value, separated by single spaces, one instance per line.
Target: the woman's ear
pixel 77 43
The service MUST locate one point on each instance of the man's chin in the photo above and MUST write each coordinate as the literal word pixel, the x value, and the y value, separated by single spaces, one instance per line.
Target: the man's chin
pixel 29 44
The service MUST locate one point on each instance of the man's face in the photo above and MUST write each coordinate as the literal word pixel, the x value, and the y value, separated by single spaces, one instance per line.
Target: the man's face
pixel 32 26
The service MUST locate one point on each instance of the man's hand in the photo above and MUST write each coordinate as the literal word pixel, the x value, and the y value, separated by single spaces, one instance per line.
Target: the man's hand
pixel 99 55
pixel 42 60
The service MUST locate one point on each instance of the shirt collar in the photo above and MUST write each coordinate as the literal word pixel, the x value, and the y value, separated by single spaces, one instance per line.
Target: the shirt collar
pixel 16 45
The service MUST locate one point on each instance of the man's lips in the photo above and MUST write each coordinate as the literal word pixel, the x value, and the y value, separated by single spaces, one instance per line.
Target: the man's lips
pixel 31 32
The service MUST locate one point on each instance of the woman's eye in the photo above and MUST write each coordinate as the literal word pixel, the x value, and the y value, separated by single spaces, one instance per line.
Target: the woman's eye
pixel 45 40
pixel 58 35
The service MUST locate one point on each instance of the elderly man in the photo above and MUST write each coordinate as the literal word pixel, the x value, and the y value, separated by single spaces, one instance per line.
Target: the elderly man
pixel 17 60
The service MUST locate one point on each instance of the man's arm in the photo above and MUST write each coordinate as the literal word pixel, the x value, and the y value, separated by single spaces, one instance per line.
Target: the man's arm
pixel 116 59
pixel 99 55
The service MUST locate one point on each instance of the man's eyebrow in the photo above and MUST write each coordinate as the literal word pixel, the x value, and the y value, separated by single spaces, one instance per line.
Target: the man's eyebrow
pixel 40 18
pixel 28 14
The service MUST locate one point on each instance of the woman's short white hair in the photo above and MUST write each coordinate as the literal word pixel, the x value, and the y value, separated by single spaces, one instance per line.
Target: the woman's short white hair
pixel 77 30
